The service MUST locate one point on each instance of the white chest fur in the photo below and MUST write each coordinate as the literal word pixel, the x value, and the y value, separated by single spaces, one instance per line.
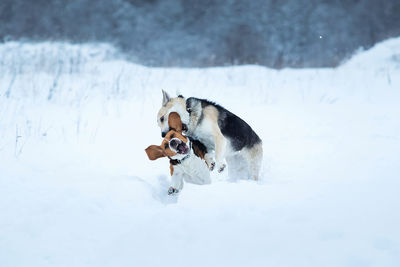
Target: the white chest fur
pixel 202 134
pixel 193 170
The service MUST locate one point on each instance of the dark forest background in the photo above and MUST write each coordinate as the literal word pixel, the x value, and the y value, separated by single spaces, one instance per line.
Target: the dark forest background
pixel 189 33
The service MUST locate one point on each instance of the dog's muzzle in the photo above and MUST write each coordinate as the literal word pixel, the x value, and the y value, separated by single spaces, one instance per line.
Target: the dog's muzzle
pixel 163 134
pixel 179 146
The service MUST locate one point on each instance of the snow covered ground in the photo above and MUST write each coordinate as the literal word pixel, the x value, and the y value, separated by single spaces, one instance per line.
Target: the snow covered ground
pixel 76 188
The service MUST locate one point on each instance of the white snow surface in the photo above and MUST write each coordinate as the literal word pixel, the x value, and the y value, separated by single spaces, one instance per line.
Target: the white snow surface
pixel 77 189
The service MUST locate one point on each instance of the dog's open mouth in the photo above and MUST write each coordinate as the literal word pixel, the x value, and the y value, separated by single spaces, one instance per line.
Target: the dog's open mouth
pixel 179 146
pixel 182 148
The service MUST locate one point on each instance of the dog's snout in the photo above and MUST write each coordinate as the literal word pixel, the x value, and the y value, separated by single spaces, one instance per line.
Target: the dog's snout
pixel 174 143
pixel 163 134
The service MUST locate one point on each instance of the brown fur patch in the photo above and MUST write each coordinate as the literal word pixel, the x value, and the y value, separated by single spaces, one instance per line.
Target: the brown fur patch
pixel 211 113
pixel 174 122
pixel 154 152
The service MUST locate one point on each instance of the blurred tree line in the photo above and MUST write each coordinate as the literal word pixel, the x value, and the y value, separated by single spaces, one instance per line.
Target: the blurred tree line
pixel 188 33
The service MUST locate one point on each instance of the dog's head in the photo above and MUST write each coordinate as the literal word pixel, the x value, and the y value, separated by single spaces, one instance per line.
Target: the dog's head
pixel 174 145
pixel 176 104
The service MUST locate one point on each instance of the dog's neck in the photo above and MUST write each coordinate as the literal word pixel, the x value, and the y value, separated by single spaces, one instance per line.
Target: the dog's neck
pixel 179 161
pixel 195 116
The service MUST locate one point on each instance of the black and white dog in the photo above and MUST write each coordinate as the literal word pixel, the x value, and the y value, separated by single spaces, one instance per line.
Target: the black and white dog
pixel 219 130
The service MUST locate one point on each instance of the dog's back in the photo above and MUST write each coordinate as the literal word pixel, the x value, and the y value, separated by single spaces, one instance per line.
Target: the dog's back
pixel 239 133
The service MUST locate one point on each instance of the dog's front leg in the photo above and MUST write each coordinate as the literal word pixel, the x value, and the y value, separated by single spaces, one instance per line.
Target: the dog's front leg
pixel 220 149
pixel 176 183
pixel 209 158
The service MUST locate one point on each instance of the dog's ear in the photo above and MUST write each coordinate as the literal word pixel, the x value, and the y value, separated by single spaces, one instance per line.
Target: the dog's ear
pixel 174 122
pixel 154 152
pixel 166 98
pixel 178 93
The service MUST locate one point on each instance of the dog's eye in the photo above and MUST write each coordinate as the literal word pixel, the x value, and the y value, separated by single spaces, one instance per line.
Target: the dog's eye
pixel 166 146
pixel 162 119
pixel 189 110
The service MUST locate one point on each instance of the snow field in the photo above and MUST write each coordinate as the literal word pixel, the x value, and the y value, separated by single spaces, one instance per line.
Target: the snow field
pixel 76 188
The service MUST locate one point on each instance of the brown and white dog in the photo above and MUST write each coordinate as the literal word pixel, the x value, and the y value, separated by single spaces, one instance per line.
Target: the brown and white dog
pixel 188 158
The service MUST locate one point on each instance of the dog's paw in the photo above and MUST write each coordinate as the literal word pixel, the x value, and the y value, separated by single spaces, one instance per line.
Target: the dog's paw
pixel 221 168
pixel 212 166
pixel 172 190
